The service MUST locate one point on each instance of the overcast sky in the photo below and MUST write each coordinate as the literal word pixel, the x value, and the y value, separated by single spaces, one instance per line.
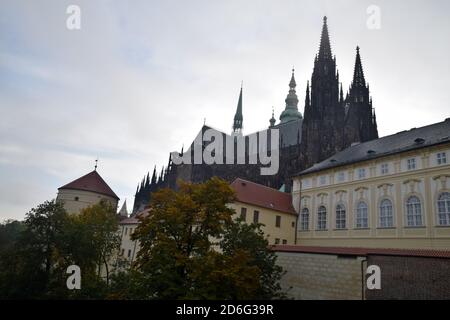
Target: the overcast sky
pixel 139 77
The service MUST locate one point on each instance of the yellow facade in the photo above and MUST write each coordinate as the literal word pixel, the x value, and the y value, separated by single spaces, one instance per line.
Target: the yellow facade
pixel 282 234
pixel 410 189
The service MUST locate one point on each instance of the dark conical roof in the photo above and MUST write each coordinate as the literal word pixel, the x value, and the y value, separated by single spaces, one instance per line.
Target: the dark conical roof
pixel 325 47
pixel 91 182
pixel 238 118
pixel 358 74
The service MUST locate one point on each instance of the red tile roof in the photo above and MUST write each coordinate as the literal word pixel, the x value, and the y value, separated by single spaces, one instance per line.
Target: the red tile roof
pixel 431 253
pixel 262 196
pixel 91 182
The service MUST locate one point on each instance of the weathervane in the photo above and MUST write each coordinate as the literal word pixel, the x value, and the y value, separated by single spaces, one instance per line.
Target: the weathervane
pixel 96 162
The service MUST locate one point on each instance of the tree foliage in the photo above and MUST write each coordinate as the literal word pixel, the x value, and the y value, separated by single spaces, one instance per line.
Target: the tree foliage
pixel 191 248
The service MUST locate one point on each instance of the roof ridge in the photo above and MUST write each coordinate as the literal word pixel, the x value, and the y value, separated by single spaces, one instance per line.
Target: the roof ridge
pixel 272 189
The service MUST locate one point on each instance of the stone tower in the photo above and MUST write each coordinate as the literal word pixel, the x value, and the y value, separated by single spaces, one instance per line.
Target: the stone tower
pixel 360 119
pixel 324 116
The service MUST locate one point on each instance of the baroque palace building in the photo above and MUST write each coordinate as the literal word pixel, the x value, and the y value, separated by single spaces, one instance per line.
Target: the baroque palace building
pixel 392 192
pixel 331 123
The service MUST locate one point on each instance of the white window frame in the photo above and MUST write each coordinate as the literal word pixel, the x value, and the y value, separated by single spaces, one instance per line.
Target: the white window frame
pixel 341 176
pixel 443 209
pixel 441 158
pixel 411 164
pixel 304 219
pixel 322 218
pixel 384 168
pixel 362 215
pixel 386 214
pixel 341 217
pixel 414 217
pixel 361 173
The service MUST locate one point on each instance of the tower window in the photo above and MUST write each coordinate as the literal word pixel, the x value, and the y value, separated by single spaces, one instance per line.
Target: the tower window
pixel 77 198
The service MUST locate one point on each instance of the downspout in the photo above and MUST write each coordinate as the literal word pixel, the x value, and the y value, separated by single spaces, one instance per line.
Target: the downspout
pixel 299 202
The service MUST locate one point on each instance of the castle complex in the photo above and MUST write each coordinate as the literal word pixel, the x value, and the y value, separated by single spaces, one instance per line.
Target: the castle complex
pixel 331 122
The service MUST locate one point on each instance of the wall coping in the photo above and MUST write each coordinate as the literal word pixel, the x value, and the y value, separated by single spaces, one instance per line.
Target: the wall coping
pixel 355 251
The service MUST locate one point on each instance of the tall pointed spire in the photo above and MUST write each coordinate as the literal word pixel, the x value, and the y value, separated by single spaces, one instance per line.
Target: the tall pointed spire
pixel 358 74
pixel 341 95
pixel 154 176
pixel 325 47
pixel 307 98
pixel 238 119
pixel 291 112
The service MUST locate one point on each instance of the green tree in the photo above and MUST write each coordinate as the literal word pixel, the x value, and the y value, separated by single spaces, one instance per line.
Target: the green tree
pixel 190 249
pixel 30 264
pixel 95 233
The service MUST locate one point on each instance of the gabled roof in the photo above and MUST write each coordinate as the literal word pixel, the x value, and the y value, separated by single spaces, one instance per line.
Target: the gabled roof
pixel 91 182
pixel 262 196
pixel 403 141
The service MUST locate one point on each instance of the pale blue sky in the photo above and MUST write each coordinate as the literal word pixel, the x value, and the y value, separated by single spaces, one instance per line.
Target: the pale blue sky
pixel 139 77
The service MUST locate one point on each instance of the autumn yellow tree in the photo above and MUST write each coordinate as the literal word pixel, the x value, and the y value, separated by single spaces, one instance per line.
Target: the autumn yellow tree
pixel 181 255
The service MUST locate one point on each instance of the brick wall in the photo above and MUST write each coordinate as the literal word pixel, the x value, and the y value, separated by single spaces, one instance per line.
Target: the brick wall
pixel 321 276
pixel 411 277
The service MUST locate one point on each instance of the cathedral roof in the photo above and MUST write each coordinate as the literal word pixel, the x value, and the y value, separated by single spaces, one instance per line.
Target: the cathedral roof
pixel 91 182
pixel 415 138
pixel 262 196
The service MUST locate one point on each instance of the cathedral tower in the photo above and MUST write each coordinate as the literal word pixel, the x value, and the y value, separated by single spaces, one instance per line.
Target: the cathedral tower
pixel 323 122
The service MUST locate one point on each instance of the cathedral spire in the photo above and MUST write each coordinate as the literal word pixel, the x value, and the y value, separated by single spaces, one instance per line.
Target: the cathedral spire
pixel 341 95
pixel 358 74
pixel 154 176
pixel 291 111
pixel 325 47
pixel 307 98
pixel 238 119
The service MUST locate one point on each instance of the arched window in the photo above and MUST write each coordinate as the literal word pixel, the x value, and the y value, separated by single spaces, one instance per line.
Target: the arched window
pixel 304 219
pixel 322 218
pixel 444 209
pixel 340 217
pixel 413 212
pixel 386 216
pixel 362 216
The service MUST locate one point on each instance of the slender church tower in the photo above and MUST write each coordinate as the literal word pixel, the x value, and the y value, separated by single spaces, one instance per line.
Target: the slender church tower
pixel 323 122
pixel 360 119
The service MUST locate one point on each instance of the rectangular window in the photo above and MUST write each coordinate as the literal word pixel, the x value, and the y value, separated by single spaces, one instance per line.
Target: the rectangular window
pixel 284 241
pixel 129 253
pixel 277 241
pixel 278 221
pixel 244 214
pixel 256 216
pixel 441 158
pixel 411 164
pixel 323 180
pixel 384 168
pixel 361 173
pixel 341 177
pixel 126 231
